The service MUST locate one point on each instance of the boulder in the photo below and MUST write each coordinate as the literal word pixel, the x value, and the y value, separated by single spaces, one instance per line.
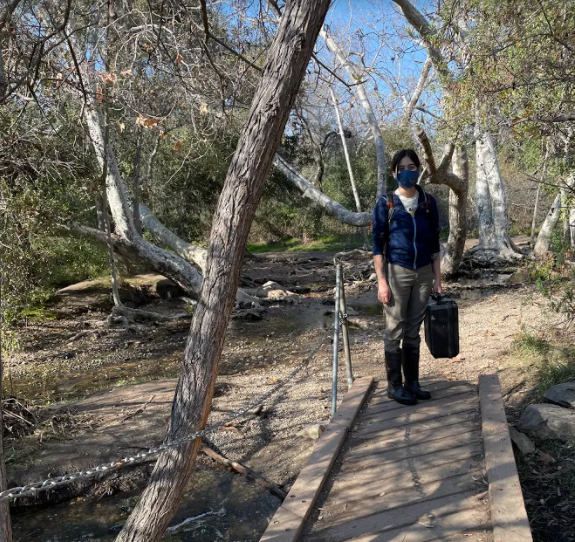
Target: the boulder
pixel 312 431
pixel 521 276
pixel 523 442
pixel 548 422
pixel 272 291
pixel 562 394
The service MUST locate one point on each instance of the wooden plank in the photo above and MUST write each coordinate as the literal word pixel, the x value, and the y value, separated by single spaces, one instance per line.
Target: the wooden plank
pixel 418 416
pixel 384 456
pixel 472 413
pixel 348 410
pixel 373 484
pixel 384 404
pixel 422 461
pixel 508 515
pixel 352 503
pixel 440 405
pixel 308 485
pixel 374 445
pixel 457 527
pixel 404 518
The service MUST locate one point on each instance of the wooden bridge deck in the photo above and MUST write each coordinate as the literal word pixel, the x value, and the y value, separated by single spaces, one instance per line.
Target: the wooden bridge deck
pixel 434 471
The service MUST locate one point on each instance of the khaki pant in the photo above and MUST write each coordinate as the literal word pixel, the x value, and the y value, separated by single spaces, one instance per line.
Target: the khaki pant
pixel 410 291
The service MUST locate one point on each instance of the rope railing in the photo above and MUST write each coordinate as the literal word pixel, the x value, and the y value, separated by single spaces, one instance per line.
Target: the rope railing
pixel 31 490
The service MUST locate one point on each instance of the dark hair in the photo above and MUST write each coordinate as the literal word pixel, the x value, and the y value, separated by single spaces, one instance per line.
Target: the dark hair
pixel 400 155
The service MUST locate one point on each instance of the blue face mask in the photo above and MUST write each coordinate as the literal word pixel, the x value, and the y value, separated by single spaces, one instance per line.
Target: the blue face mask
pixel 407 179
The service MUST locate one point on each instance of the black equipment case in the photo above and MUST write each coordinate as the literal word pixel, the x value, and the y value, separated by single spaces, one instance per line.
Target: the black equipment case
pixel 442 327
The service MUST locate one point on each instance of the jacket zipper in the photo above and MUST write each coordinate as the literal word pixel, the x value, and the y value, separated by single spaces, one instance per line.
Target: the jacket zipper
pixel 414 243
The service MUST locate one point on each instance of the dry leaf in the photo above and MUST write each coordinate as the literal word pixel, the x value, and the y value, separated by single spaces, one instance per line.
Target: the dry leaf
pixel 178 146
pixel 146 122
pixel 179 58
pixel 545 458
pixel 272 380
pixel 204 109
pixel 122 126
pixel 108 77
pixel 126 73
pixel 458 358
pixel 99 95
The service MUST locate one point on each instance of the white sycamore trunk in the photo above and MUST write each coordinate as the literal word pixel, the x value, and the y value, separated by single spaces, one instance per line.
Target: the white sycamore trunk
pixel 543 243
pixel 491 202
pixel 311 192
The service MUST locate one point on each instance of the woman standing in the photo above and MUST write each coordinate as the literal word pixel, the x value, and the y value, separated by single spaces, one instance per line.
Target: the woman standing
pixel 406 238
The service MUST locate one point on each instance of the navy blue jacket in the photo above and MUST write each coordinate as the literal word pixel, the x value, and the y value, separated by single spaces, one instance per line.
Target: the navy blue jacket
pixel 412 239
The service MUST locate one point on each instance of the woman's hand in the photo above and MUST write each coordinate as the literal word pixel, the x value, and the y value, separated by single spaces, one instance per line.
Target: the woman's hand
pixel 383 292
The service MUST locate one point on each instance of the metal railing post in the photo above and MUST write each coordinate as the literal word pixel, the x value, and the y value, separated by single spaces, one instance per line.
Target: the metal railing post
pixel 335 341
pixel 344 329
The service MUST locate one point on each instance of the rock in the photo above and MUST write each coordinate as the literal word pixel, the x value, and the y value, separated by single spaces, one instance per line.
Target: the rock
pixel 562 394
pixel 167 289
pixel 312 431
pixel 521 276
pixel 548 422
pixel 251 315
pixel 271 285
pixel 372 277
pixel 523 442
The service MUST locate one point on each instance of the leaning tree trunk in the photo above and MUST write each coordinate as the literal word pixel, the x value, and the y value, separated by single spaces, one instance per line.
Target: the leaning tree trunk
pixel 250 166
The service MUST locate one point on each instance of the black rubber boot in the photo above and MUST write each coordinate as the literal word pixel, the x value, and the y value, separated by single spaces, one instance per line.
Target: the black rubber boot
pixel 410 363
pixel 395 389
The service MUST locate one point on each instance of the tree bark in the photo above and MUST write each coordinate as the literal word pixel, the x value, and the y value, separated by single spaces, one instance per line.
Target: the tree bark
pixel 285 66
pixel 5 522
pixel 356 74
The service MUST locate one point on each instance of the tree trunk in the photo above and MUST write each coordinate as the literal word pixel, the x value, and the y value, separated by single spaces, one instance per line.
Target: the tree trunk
pixel 5 522
pixel 457 215
pixel 346 153
pixel 250 166
pixel 191 253
pixel 356 74
pixel 572 225
pixel 544 238
pixel 535 212
pixel 311 192
pixel 483 197
pixel 494 240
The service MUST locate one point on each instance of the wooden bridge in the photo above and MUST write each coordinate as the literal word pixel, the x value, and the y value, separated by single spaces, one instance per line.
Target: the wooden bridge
pixel 382 472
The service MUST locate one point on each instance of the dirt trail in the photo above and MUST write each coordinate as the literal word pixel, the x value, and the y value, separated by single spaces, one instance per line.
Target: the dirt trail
pixel 127 418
